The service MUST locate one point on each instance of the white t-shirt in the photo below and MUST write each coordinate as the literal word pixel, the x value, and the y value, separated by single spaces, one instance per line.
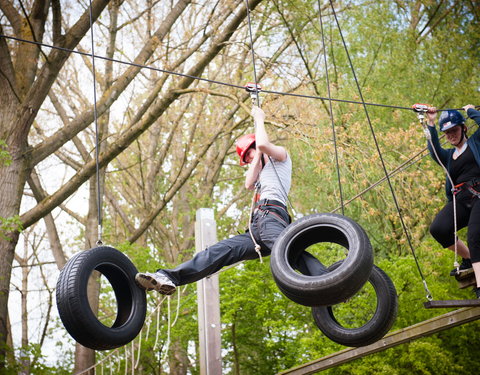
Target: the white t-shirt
pixel 270 186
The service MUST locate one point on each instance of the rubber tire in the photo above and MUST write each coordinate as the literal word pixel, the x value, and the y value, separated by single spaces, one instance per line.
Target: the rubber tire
pixel 74 308
pixel 332 287
pixel 373 330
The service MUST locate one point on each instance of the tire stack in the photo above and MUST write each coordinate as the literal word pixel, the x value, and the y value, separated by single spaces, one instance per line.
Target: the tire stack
pixel 339 282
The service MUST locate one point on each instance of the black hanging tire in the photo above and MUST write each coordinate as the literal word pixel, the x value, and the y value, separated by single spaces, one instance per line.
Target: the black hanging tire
pixel 74 308
pixel 332 287
pixel 375 328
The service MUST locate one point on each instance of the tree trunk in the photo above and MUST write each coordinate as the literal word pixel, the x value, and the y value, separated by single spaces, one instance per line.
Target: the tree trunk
pixel 19 104
pixel 12 180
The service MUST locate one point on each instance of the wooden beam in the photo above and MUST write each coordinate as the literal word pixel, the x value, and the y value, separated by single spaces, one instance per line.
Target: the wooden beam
pixel 422 329
pixel 208 299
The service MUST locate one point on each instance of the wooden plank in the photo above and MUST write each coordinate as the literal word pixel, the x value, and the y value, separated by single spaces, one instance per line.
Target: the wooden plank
pixel 466 280
pixel 465 283
pixel 422 329
pixel 464 274
pixel 452 303
pixel 208 299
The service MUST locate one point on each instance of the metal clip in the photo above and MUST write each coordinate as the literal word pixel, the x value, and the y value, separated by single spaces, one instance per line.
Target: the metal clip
pixel 422 108
pixel 253 89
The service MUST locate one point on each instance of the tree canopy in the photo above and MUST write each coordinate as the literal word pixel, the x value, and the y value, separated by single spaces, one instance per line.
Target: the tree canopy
pixel 169 106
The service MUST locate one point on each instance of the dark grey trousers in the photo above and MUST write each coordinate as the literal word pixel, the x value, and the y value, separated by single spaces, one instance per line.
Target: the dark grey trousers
pixel 266 227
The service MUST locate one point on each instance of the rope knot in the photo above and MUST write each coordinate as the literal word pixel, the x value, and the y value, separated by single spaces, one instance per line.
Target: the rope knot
pixel 257 249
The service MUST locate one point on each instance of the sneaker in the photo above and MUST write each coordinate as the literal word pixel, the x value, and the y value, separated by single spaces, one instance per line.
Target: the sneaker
pixel 466 265
pixel 155 281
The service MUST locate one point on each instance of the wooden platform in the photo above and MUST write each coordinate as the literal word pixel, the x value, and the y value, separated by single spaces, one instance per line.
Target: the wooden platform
pixel 422 329
pixel 452 303
pixel 464 279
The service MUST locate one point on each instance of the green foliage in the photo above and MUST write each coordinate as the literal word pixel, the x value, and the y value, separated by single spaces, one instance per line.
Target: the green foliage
pixel 9 224
pixel 263 331
pixel 397 62
pixel 5 157
pixel 29 360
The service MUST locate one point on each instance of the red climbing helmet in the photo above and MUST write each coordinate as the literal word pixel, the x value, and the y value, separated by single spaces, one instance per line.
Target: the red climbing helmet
pixel 243 144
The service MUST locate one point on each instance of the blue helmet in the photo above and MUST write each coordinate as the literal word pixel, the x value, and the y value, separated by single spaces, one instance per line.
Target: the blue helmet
pixel 449 119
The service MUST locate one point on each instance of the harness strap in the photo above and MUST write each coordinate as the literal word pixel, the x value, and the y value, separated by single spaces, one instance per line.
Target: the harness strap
pixel 468 186
pixel 267 212
pixel 254 201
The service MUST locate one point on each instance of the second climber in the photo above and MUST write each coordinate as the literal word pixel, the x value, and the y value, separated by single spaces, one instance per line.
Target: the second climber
pixel 462 163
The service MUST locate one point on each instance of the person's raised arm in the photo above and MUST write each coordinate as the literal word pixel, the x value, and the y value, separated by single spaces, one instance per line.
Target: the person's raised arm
pixel 431 116
pixel 472 113
pixel 254 170
pixel 263 144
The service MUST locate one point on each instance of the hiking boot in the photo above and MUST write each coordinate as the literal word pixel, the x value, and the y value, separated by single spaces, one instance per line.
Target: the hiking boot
pixel 155 281
pixel 466 265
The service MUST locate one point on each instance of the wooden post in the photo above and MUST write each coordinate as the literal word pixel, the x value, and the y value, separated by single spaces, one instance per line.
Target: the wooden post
pixel 208 298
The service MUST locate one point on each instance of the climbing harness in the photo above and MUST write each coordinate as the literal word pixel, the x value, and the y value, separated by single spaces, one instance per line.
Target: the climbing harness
pixel 469 186
pixel 269 206
pixel 421 110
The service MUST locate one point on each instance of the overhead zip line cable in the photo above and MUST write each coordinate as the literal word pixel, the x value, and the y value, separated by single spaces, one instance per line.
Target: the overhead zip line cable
pixel 281 93
pixel 428 293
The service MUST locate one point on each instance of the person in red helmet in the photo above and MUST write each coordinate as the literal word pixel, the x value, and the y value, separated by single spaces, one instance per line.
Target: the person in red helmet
pixel 270 170
pixel 462 162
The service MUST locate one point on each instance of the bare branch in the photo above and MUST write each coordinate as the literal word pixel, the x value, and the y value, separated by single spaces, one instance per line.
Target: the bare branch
pixel 111 95
pixel 133 133
pixel 12 15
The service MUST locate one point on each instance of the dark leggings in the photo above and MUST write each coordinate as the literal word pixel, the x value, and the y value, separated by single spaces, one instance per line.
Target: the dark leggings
pixel 468 215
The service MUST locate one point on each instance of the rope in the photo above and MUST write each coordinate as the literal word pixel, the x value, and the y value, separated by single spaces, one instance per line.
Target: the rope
pixel 133 359
pixel 330 106
pixel 139 348
pixel 211 80
pixel 97 141
pixel 257 102
pixel 157 332
pixel 167 345
pixel 253 52
pixel 428 294
pixel 258 248
pixel 126 357
pixel 157 309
